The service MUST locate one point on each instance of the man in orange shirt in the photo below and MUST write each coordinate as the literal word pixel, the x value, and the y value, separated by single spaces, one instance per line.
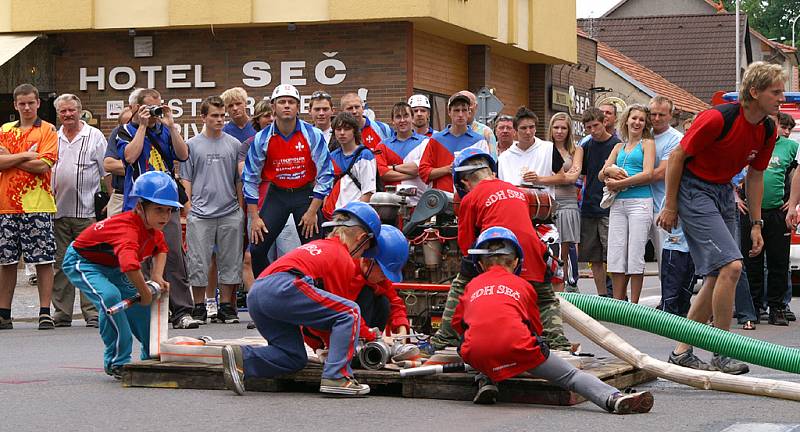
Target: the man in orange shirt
pixel 28 149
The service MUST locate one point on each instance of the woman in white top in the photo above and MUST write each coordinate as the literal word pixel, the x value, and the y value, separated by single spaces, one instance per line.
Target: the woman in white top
pixel 568 215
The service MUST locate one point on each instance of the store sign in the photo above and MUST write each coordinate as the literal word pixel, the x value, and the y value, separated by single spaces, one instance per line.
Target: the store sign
pixel 573 101
pixel 256 74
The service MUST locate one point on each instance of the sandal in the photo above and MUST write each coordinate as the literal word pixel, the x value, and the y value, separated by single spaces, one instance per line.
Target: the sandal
pixel 748 325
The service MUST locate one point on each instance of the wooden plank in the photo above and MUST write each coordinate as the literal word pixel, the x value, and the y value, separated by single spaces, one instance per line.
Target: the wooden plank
pixel 456 386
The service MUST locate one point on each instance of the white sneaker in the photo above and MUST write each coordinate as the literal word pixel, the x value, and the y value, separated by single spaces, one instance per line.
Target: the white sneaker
pixel 346 386
pixel 211 307
pixel 186 322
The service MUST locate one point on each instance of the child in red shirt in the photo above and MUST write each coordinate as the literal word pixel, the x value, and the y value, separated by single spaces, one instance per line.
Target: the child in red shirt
pixel 499 321
pixel 104 262
pixel 488 201
pixel 298 290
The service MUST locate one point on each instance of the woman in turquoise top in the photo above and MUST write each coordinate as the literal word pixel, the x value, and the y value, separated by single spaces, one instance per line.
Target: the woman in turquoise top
pixel 628 171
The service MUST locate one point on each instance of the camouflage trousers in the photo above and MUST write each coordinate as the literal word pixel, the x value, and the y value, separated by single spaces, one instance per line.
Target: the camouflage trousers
pixel 549 312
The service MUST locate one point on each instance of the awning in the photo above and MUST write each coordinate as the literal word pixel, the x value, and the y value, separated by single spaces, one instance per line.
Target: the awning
pixel 11 45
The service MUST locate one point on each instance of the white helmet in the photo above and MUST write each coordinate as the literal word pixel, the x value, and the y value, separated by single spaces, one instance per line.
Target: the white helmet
pixel 419 100
pixel 285 90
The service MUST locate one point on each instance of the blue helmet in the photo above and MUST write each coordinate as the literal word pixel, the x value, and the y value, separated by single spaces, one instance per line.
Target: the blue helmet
pixel 365 216
pixel 157 187
pixel 496 233
pixel 460 166
pixel 392 252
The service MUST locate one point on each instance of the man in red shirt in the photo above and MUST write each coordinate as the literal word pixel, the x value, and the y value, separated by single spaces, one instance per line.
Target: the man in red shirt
pixel 701 195
pixel 444 146
pixel 499 299
pixel 288 170
pixel 485 202
pixel 373 132
pixel 104 262
pixel 298 290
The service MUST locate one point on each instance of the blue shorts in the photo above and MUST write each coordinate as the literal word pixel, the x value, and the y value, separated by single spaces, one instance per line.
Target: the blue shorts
pixel 29 235
pixel 708 216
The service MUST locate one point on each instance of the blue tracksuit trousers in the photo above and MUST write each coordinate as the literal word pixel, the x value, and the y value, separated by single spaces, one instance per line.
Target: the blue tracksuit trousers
pixel 106 286
pixel 282 302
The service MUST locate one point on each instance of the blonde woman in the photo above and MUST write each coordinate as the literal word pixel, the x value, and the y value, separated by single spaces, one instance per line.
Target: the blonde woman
pixel 628 171
pixel 568 215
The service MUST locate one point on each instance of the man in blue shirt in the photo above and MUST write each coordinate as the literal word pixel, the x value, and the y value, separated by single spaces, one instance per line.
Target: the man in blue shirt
pixel 239 126
pixel 152 143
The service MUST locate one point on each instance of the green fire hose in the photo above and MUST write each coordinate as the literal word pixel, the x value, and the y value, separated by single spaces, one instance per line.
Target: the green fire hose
pixel 687 331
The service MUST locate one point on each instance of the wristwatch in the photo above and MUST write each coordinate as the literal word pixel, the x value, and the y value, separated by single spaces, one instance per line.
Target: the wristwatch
pixel 759 222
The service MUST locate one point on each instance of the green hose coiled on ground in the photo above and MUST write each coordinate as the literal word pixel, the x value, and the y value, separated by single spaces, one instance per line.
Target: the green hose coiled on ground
pixel 687 331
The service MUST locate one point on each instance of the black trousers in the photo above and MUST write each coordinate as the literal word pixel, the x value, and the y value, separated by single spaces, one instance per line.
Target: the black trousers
pixel 777 241
pixel 374 308
pixel 278 204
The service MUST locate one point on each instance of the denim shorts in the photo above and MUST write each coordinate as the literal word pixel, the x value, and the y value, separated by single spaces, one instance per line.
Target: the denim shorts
pixel 29 235
pixel 708 216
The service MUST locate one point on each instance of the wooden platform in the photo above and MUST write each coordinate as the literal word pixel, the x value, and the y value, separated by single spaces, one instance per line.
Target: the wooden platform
pixel 456 386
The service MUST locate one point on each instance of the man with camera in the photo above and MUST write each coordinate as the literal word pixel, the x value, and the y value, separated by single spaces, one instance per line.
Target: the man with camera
pixel 150 142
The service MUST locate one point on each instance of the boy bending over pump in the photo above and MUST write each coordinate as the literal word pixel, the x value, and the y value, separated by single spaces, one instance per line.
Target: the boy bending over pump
pixel 297 290
pixel 104 262
pixel 499 321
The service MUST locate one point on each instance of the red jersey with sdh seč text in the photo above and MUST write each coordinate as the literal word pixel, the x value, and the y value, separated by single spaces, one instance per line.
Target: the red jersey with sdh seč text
pixel 327 260
pixel 494 202
pixel 121 241
pixel 499 318
pixel 717 161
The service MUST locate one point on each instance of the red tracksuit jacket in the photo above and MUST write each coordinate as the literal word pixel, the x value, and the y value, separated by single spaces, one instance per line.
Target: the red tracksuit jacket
pixel 499 319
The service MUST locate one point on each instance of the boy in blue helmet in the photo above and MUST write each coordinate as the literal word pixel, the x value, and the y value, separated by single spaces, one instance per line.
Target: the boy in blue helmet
pixel 104 262
pixel 488 201
pixel 499 321
pixel 380 305
pixel 382 309
pixel 298 290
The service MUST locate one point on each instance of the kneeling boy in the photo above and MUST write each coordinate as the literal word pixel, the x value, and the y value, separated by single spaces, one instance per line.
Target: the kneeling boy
pixel 297 290
pixel 104 262
pixel 499 321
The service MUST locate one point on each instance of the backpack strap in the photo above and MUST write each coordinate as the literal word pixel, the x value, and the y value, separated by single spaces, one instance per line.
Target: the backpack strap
pixel 729 113
pixel 348 171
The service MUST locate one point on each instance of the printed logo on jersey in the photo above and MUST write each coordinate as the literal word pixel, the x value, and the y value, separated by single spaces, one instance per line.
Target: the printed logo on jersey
pixel 312 249
pixel 504 195
pixel 495 290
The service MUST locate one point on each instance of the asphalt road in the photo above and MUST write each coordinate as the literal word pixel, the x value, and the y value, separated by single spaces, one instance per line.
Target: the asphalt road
pixel 53 380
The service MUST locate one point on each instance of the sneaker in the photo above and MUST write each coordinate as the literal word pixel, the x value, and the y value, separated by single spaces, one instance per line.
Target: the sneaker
pixel 227 315
pixel 200 313
pixel 185 322
pixel 60 324
pixel 6 324
pixel 91 323
pixel 233 368
pixel 689 360
pixel 487 390
pixel 777 317
pixel 251 325
pixel 631 403
pixel 211 309
pixel 762 314
pixel 426 349
pixel 345 386
pixel 115 372
pixel 571 289
pixel 46 322
pixel 789 314
pixel 728 365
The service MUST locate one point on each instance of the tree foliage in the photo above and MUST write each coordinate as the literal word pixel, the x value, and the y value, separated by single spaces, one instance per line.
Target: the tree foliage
pixel 772 18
